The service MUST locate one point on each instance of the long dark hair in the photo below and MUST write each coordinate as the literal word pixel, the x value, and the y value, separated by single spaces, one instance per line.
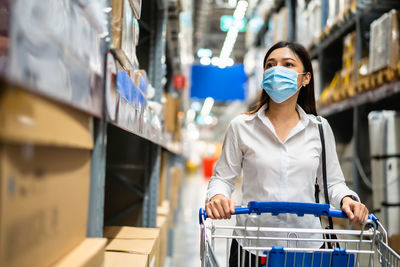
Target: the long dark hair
pixel 306 99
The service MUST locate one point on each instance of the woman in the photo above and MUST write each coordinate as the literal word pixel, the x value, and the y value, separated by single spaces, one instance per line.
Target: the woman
pixel 278 148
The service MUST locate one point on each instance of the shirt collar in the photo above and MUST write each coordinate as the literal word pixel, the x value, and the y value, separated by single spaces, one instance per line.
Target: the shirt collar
pixel 304 117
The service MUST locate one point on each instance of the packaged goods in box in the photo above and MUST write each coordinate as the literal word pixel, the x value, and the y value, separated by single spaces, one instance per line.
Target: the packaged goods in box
pixel 43 203
pixel 162 223
pixel 59 52
pixel 384 44
pixel 28 118
pixel 147 247
pixel 126 232
pixel 170 113
pixel 114 259
pixel 89 253
pixel 134 240
pixel 164 210
pixel 176 174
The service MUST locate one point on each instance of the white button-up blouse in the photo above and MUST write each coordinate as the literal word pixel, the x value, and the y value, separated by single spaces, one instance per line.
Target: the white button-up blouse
pixel 278 171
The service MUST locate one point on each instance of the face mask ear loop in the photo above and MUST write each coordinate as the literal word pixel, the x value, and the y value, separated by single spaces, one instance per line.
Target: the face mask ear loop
pixel 302 85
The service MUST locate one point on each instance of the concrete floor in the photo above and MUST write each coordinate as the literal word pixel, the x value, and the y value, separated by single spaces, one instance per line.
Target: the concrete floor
pixel 186 244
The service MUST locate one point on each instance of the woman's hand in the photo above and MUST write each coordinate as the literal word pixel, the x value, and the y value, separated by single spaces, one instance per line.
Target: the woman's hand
pixel 220 207
pixel 356 211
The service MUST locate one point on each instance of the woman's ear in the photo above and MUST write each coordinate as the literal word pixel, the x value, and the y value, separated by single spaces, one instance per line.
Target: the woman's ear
pixel 306 79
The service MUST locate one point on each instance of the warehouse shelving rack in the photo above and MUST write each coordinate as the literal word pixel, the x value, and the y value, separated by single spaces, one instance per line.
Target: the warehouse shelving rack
pixel 140 173
pixel 348 118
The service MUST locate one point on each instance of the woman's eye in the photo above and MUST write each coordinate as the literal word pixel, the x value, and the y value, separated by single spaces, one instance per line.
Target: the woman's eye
pixel 269 65
pixel 289 64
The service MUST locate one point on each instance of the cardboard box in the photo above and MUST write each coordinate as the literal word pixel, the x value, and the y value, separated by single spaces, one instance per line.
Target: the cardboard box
pixel 162 224
pixel 28 118
pixel 44 194
pixel 114 259
pixel 135 240
pixel 147 247
pixel 176 175
pixel 116 22
pixel 164 210
pixel 170 113
pixel 126 232
pixel 90 253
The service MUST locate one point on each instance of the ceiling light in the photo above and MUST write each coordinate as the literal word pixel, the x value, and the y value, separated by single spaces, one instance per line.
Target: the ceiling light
pixel 215 61
pixel 232 34
pixel 204 52
pixel 207 106
pixel 205 61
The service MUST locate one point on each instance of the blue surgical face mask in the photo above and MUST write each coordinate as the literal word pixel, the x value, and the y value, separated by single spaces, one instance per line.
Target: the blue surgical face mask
pixel 280 83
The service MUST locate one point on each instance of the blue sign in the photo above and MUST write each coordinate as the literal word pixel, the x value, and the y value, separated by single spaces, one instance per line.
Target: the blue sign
pixel 222 84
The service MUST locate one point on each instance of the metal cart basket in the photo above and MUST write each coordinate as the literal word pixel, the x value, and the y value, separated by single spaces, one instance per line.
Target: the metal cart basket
pixel 365 247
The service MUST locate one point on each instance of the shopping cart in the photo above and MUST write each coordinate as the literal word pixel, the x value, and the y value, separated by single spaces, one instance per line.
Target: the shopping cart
pixel 365 247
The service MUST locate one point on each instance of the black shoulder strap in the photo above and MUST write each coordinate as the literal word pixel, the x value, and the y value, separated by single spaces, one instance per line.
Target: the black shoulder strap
pixel 323 154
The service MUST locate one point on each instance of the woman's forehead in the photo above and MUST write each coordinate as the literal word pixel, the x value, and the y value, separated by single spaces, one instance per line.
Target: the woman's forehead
pixel 283 53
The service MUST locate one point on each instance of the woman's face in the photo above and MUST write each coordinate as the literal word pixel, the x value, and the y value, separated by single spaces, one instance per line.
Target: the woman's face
pixel 285 57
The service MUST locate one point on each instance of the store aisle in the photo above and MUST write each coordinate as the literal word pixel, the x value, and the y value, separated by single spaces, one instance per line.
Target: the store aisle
pixel 186 246
pixel 186 230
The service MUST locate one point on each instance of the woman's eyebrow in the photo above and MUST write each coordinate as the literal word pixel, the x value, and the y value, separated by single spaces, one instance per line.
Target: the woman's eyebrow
pixel 285 58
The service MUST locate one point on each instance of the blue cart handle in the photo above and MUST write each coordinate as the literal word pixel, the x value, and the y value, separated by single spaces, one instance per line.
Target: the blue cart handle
pixel 299 208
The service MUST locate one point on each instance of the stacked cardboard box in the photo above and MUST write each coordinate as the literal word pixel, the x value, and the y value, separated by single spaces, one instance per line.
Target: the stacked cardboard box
pixel 90 253
pixel 171 108
pixel 176 175
pixel 384 47
pixel 162 224
pixel 44 179
pixel 132 240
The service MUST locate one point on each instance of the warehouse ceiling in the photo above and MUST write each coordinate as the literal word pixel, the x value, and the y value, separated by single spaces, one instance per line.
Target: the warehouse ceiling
pixel 207 32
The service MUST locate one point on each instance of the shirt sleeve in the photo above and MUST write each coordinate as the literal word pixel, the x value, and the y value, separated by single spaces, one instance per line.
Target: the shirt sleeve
pixel 228 167
pixel 337 188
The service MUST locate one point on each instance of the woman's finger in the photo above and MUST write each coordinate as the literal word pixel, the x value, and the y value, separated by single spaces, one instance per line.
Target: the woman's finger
pixel 215 210
pixel 209 212
pixel 218 206
pixel 227 208
pixel 232 205
pixel 349 213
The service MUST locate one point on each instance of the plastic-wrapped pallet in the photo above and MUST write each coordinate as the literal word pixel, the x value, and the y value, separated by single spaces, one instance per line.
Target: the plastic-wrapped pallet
pixel 384 43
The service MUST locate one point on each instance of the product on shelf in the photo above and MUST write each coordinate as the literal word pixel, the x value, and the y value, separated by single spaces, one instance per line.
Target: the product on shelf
pixel 125 32
pixel 384 41
pixel 349 66
pixel 89 253
pixel 162 224
pixel 58 52
pixel 44 179
pixel 134 240
pixel 115 258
